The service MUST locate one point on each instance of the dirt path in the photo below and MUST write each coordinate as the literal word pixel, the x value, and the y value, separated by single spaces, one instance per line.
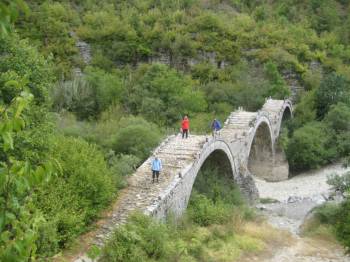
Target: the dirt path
pixel 296 197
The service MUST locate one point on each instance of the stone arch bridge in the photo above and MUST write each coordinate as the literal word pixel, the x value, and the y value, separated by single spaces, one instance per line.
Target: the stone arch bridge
pixel 247 143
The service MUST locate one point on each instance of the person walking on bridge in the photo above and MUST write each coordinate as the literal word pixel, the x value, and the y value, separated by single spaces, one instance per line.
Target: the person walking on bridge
pixel 156 168
pixel 215 127
pixel 185 126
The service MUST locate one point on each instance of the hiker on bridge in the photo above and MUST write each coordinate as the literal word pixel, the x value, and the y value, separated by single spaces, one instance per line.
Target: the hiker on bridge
pixel 185 126
pixel 156 168
pixel 215 127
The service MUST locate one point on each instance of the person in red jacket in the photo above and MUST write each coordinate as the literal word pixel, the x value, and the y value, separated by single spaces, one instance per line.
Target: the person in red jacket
pixel 185 126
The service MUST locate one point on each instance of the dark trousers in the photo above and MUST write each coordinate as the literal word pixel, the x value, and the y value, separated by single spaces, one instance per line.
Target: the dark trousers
pixel 184 131
pixel 155 174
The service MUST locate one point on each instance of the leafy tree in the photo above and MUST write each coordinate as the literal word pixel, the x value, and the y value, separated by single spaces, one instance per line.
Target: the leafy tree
pixel 136 137
pixel 23 64
pixel 308 148
pixel 278 88
pixel 333 89
pixel 50 25
pixel 305 111
pixel 9 11
pixel 19 220
pixel 338 120
pixel 75 197
pixel 162 94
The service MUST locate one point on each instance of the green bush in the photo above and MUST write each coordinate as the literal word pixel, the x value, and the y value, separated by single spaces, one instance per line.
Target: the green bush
pixel 333 89
pixel 136 137
pixel 205 212
pixel 22 63
pixel 340 183
pixel 327 213
pixel 342 225
pixel 90 95
pixel 71 201
pixel 124 164
pixel 49 26
pixel 141 239
pixel 308 147
pixel 162 95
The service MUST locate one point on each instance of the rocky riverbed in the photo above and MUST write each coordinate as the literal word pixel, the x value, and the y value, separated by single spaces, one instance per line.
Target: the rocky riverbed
pixel 287 205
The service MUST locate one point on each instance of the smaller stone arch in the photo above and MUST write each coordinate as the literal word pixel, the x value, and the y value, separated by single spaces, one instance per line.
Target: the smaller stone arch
pixel 281 167
pixel 260 157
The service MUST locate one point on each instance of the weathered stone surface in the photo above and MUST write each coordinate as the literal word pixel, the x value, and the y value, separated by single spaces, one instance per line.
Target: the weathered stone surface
pixel 247 140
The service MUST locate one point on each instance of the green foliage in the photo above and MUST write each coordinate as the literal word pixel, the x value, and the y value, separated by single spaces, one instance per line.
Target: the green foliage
pixel 19 220
pixel 305 111
pixel 21 66
pixel 50 25
pixel 333 89
pixel 278 88
pixel 90 95
pixel 204 211
pixel 9 12
pixel 124 164
pixel 342 225
pixel 72 200
pixel 327 213
pixel 137 137
pixel 340 183
pixel 162 95
pixel 141 239
pixel 308 148
pixel 338 120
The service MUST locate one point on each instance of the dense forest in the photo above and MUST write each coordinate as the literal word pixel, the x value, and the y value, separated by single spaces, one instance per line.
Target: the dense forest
pixel 89 88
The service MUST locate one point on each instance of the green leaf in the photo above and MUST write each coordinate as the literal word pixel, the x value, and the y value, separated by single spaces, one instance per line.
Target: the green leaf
pixel 18 124
pixel 8 141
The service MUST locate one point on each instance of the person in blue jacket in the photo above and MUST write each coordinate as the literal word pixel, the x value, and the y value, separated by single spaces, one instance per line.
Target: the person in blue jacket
pixel 215 127
pixel 156 168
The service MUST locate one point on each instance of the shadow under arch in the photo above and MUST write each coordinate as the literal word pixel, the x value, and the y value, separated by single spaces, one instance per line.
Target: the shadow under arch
pixel 281 166
pixel 215 179
pixel 287 114
pixel 260 155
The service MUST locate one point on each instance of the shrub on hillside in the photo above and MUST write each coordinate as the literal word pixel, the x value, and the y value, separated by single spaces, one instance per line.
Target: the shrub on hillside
pixel 333 89
pixel 136 136
pixel 342 225
pixel 21 63
pixel 338 121
pixel 308 147
pixel 90 95
pixel 141 239
pixel 72 200
pixel 162 94
pixel 203 211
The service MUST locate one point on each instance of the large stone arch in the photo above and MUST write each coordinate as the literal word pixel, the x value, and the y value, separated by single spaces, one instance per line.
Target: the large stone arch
pixel 260 156
pixel 175 199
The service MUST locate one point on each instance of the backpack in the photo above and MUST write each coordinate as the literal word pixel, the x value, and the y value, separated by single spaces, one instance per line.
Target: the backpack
pixel 218 124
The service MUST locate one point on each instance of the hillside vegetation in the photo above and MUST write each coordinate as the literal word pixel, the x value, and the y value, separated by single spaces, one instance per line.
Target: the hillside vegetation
pixel 73 126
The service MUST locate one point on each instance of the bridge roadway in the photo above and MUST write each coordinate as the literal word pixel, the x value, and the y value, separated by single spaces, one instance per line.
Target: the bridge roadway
pixel 248 142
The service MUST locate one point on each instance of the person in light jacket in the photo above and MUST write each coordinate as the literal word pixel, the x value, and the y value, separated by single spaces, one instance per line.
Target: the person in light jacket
pixel 156 168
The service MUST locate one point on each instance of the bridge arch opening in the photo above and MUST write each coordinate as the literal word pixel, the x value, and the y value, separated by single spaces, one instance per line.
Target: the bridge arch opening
pixel 260 160
pixel 281 166
pixel 215 179
pixel 287 114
